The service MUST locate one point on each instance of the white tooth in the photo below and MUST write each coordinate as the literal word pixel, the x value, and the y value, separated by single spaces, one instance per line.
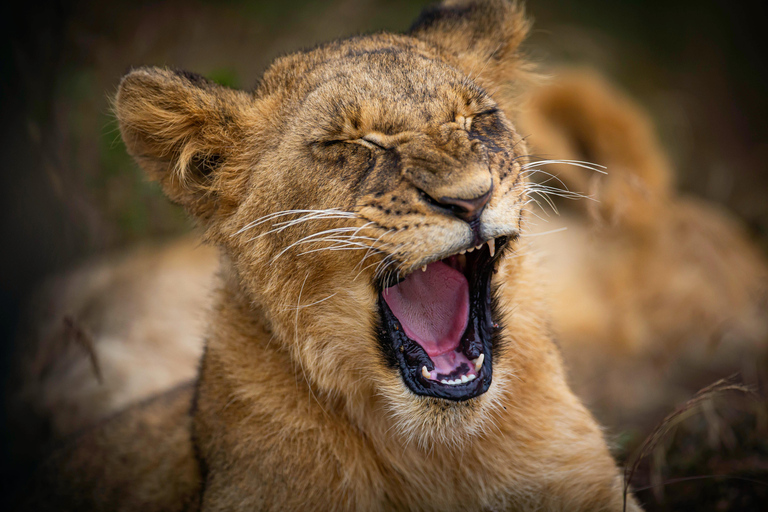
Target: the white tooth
pixel 464 378
pixel 463 252
pixel 471 377
pixel 425 372
pixel 444 381
pixel 470 249
pixel 492 246
pixel 424 268
pixel 479 362
pixel 479 247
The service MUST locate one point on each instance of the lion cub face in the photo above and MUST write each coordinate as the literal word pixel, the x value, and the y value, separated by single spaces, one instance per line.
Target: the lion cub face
pixel 364 194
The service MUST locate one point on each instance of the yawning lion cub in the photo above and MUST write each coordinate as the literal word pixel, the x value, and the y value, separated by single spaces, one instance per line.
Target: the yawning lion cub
pixel 378 341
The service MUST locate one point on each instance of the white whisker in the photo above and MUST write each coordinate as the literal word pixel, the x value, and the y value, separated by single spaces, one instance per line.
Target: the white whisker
pixel 274 215
pixel 302 306
pixel 296 340
pixel 558 230
pixel 377 251
pixel 545 197
pixel 313 238
pixel 576 163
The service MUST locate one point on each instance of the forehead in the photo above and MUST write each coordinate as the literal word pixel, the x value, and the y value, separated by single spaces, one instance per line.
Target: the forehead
pixel 383 80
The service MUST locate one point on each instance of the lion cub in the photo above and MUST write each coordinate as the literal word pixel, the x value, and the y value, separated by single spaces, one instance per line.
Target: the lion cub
pixel 367 199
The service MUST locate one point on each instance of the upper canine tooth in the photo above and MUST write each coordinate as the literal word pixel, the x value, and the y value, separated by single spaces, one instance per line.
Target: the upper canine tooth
pixel 479 362
pixel 424 268
pixel 492 246
pixel 425 372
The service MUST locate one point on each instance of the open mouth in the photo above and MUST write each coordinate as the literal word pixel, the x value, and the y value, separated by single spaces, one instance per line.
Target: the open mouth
pixel 437 324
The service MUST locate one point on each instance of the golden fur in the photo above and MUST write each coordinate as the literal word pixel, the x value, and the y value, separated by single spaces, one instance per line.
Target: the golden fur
pixel 654 295
pixel 295 408
pixel 113 332
pixel 644 319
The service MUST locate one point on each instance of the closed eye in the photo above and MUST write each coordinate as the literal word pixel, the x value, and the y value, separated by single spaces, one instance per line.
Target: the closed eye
pixel 488 112
pixel 369 142
pixel 372 142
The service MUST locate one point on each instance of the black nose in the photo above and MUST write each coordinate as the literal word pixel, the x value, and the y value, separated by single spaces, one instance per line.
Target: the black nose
pixel 468 210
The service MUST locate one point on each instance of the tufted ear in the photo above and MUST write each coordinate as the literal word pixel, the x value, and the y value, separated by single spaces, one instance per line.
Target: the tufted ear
pixel 482 37
pixel 182 129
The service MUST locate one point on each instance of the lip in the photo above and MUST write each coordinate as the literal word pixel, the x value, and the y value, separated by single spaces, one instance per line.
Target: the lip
pixel 477 341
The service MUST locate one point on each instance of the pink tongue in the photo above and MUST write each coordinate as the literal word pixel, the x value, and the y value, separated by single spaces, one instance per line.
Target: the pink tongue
pixel 432 307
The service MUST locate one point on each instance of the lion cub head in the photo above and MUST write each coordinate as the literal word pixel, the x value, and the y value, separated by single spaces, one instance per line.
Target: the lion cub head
pixel 364 195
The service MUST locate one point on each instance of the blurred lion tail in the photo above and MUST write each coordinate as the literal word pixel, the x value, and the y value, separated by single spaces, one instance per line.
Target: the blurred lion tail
pixel 579 116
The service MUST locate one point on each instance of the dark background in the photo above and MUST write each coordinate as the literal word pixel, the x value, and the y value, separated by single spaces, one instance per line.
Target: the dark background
pixel 70 192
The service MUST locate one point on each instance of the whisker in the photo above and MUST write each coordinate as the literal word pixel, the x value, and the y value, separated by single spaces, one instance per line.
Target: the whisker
pixel 331 212
pixel 367 254
pixel 532 212
pixel 311 238
pixel 302 306
pixel 296 340
pixel 558 230
pixel 341 246
pixel 545 197
pixel 530 172
pixel 282 225
pixel 576 163
pixel 286 225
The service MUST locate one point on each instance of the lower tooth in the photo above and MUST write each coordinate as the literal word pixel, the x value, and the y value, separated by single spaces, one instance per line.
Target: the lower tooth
pixel 479 362
pixel 425 372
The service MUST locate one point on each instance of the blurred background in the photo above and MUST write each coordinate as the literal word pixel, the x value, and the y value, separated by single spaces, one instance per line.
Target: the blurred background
pixel 70 192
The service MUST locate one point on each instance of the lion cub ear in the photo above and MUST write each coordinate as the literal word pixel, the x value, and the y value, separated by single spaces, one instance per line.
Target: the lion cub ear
pixel 182 129
pixel 482 37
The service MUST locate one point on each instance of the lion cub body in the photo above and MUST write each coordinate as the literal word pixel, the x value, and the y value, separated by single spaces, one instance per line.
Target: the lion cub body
pixel 316 187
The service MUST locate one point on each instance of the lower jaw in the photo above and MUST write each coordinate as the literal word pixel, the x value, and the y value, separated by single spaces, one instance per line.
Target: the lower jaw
pixel 410 359
pixel 480 338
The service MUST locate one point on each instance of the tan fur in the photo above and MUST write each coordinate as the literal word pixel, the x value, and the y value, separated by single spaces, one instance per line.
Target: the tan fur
pixel 295 408
pixel 643 321
pixel 113 332
pixel 142 459
pixel 654 294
